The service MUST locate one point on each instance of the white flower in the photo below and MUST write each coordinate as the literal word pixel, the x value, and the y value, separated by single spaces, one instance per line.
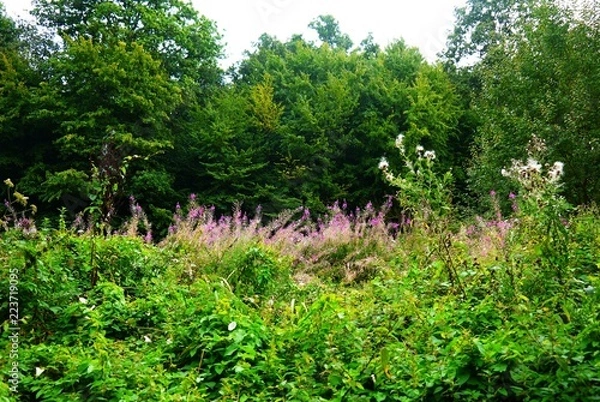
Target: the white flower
pixel 505 173
pixel 83 300
pixel 399 141
pixel 383 163
pixel 147 339
pixel 429 155
pixel 420 149
pixel 534 165
pixel 556 171
pixel 39 371
pixel 232 325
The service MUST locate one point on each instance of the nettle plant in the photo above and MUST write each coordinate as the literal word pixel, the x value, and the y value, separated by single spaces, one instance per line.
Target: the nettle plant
pixel 422 192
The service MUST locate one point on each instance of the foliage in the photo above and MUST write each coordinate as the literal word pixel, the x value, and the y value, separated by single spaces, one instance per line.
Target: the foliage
pixel 329 32
pixel 409 301
pixel 481 25
pixel 230 309
pixel 101 98
pixel 169 30
pixel 538 77
pixel 338 110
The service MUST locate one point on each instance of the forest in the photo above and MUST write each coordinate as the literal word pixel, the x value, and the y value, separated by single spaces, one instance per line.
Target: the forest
pixel 323 220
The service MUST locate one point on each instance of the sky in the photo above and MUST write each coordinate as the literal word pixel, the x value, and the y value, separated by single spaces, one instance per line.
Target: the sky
pixel 421 23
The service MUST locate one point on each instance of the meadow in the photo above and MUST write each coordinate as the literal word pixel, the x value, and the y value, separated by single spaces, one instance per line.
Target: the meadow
pixel 357 304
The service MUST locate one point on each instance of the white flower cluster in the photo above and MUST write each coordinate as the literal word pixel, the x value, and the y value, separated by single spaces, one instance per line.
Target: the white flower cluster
pixel 536 145
pixel 525 172
pixel 419 150
pixel 556 171
pixel 430 155
pixel 399 142
pixel 520 170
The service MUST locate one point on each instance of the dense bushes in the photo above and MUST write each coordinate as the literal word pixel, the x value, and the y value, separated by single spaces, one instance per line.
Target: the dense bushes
pixel 229 309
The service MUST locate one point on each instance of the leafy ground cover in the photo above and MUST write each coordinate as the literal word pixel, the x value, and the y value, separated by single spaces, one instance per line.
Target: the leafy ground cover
pixel 354 305
pixel 345 309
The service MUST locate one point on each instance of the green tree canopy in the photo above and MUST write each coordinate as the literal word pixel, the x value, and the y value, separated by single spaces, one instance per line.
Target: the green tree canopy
pixel 543 81
pixel 339 112
pixel 173 32
pixel 117 89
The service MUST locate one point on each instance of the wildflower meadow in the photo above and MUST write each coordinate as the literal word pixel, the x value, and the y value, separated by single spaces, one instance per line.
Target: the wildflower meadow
pixel 355 304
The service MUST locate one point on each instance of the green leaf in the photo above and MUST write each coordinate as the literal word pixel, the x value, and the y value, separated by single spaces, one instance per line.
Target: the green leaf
pixel 335 380
pixel 462 377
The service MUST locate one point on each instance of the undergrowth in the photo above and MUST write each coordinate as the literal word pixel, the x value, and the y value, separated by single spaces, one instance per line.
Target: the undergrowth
pixel 347 307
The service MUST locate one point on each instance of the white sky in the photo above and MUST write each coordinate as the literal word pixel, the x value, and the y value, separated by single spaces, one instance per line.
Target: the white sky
pixel 421 23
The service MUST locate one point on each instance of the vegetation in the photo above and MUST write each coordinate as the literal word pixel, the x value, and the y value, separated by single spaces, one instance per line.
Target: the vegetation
pixel 362 224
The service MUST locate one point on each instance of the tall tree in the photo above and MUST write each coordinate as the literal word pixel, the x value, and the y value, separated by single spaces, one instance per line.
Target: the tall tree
pixel 125 72
pixel 172 31
pixel 342 111
pixel 543 82
pixel 23 141
pixel 481 24
pixel 329 32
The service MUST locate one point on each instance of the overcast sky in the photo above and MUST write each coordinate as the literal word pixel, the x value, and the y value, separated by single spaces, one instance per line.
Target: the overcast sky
pixel 422 23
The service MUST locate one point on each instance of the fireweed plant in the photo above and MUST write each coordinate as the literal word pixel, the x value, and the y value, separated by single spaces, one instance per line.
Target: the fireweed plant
pixel 342 245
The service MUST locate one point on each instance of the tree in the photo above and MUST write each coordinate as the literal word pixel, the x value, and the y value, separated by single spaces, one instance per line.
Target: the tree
pixel 543 82
pixel 480 25
pixel 124 74
pixel 329 32
pixel 234 150
pixel 171 31
pixel 19 76
pixel 341 112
